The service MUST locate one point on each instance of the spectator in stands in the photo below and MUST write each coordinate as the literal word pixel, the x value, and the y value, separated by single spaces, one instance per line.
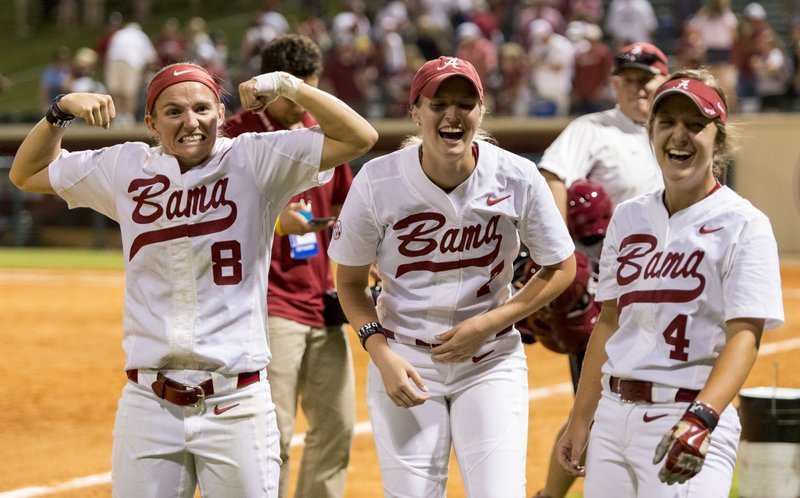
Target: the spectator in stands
pixel 432 40
pixel 630 21
pixel 754 22
pixel 594 61
pixel 171 45
pixel 84 70
pixel 531 10
pixel 772 71
pixel 717 24
pixel 349 72
pixel 478 50
pixel 130 54
pixel 691 49
pixel 590 11
pixel 552 62
pixel 264 27
pixel 514 97
pixel 56 77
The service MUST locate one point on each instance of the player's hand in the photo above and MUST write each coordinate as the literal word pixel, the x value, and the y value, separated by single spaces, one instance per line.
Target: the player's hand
pixel 570 448
pixel 686 444
pixel 259 92
pixel 294 223
pixel 94 108
pixel 395 373
pixel 462 341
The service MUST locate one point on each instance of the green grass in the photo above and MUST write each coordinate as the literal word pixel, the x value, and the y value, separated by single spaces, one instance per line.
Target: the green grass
pixel 84 259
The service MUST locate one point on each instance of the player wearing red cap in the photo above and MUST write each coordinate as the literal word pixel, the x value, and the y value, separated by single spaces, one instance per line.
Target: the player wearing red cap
pixel 196 215
pixel 444 216
pixel 603 157
pixel 689 280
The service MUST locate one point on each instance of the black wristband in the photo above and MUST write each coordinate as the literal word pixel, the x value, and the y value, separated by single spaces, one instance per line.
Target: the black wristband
pixel 56 117
pixel 368 329
pixel 704 412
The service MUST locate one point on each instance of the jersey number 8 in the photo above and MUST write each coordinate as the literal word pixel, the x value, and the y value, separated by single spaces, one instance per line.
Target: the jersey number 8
pixel 227 258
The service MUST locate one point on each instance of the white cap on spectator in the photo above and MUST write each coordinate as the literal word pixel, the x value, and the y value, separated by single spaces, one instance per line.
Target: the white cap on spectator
pixel 468 31
pixel 755 11
pixel 576 31
pixel 540 28
pixel 593 32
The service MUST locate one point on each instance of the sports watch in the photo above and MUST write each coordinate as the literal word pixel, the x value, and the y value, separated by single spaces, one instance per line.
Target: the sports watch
pixel 367 330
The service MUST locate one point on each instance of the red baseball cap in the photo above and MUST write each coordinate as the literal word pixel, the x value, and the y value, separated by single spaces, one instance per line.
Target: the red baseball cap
pixel 641 55
pixel 707 100
pixel 433 72
pixel 178 73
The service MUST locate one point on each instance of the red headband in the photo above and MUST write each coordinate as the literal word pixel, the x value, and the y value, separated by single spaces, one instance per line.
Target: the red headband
pixel 178 73
pixel 704 97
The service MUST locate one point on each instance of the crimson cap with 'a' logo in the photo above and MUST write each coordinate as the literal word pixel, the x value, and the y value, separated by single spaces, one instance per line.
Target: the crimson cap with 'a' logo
pixel 641 55
pixel 433 72
pixel 707 100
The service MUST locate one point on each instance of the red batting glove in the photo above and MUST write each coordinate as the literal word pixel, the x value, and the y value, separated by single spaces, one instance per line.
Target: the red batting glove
pixel 686 444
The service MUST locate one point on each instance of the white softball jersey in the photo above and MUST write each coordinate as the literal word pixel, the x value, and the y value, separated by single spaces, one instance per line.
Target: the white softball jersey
pixel 607 148
pixel 444 257
pixel 196 245
pixel 677 280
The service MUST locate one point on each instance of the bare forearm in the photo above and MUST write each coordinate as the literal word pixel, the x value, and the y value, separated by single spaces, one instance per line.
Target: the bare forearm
pixel 733 365
pixel 545 286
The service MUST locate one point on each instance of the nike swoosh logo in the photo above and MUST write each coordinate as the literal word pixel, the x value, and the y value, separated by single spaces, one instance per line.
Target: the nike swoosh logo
pixel 178 73
pixel 704 230
pixel 647 418
pixel 220 411
pixel 492 202
pixel 476 359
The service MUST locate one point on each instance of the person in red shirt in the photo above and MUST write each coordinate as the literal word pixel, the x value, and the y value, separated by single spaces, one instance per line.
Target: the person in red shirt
pixel 311 361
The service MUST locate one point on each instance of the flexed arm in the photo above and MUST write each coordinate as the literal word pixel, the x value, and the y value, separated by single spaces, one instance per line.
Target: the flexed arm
pixel 347 134
pixel 43 143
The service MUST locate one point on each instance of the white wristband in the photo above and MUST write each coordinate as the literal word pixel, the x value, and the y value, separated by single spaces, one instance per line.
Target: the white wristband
pixel 271 85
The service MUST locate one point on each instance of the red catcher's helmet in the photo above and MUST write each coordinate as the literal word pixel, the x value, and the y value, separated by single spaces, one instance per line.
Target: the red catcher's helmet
pixel 564 325
pixel 588 211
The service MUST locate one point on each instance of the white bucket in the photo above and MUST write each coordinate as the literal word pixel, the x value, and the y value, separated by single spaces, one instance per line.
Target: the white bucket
pixel 769 452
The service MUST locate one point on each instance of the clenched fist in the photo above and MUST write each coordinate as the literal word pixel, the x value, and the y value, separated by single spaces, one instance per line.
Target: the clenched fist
pixel 259 92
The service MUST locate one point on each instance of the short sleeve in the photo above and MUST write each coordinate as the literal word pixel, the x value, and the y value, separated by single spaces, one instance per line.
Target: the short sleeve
pixel 752 283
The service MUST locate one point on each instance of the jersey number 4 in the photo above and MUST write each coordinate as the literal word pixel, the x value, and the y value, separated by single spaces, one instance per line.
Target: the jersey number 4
pixel 227 258
pixel 675 336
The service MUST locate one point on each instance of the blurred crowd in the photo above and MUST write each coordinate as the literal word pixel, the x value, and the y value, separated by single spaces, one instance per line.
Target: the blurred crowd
pixel 535 57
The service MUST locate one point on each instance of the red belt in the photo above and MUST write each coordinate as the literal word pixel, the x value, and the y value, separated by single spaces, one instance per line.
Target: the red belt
pixel 183 395
pixel 630 390
pixel 391 335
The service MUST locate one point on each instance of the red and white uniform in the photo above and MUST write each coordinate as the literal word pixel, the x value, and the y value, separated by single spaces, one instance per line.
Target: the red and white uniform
pixel 195 246
pixel 442 258
pixel 676 281
pixel 607 148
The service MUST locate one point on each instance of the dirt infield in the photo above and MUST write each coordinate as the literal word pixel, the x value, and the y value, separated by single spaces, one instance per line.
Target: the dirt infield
pixel 61 377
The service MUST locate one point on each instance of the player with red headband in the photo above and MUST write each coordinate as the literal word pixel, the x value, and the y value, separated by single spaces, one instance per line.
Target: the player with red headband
pixel 444 217
pixel 689 279
pixel 196 213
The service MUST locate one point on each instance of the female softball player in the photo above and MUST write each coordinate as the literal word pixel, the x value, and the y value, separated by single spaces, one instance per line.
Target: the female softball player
pixel 443 218
pixel 196 214
pixel 689 279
